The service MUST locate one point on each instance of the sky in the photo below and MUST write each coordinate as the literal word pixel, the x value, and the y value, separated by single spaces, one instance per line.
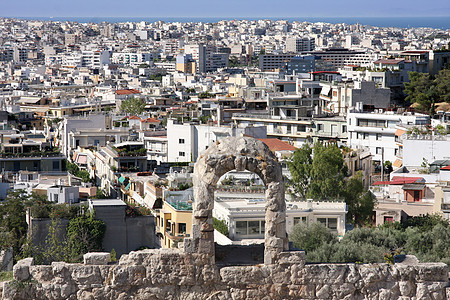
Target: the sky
pixel 224 8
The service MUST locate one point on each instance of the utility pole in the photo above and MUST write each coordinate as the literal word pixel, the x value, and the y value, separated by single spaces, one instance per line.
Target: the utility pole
pixel 382 163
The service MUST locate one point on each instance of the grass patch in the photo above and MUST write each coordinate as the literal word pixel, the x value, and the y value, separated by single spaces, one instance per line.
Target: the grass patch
pixel 6 275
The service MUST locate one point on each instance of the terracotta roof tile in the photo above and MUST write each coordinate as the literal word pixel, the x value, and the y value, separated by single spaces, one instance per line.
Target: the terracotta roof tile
pixel 127 92
pixel 278 145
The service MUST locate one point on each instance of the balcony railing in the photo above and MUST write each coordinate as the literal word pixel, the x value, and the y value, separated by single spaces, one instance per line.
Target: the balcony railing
pixel 30 154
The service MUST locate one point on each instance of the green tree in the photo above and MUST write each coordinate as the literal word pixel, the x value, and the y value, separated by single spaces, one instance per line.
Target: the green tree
pixel 56 246
pixel 317 173
pixel 360 202
pixel 300 165
pixel 85 234
pixel 418 89
pixel 426 90
pixel 427 237
pixel 133 106
pixel 327 173
pixel 442 83
pixel 320 174
pixel 12 221
pixel 220 226
pixel 311 237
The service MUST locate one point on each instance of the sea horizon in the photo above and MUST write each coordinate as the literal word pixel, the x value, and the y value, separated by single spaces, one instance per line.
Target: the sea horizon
pixel 399 22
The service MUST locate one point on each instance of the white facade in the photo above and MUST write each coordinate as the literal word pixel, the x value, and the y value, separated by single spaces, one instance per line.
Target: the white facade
pixel 63 194
pixel 245 214
pixel 187 141
pixel 300 44
pixel 129 58
pixel 71 124
pixel 376 131
pixel 416 148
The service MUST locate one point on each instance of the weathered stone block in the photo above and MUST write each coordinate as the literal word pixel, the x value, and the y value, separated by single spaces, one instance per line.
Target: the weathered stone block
pixel 21 270
pixel 406 259
pixel 292 257
pixel 97 258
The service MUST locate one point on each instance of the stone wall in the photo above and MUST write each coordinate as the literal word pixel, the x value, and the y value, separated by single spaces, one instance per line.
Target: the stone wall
pixel 172 274
pixel 123 234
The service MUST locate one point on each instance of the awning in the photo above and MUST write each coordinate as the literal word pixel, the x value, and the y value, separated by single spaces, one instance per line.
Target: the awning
pixel 82 159
pixel 414 187
pixel 149 200
pixel 399 132
pixel 325 90
pixel 121 179
pixel 397 163
pixel 138 198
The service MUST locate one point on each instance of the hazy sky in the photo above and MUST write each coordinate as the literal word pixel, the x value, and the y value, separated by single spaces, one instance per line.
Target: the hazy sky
pixel 224 8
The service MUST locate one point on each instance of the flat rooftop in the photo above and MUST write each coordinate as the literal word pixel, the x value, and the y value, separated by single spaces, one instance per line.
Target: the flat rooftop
pixel 106 202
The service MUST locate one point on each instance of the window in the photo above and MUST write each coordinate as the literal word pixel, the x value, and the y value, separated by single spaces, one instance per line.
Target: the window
pixel 301 128
pixel 366 136
pixel 416 196
pixel 330 223
pixel 320 127
pixel 289 129
pixel 255 227
pixel 299 219
pixel 181 153
pixel 379 150
pixel 182 227
pixel 388 219
pixel 180 141
pixel 378 136
pixel 344 128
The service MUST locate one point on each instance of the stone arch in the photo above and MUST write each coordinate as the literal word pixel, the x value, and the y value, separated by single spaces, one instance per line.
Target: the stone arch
pixel 240 153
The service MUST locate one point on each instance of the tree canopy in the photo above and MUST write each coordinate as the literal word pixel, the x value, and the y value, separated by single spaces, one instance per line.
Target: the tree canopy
pixel 133 106
pixel 425 90
pixel 320 173
pixel 427 237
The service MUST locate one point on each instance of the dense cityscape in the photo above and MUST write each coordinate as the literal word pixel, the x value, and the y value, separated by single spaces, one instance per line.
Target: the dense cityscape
pixel 224 160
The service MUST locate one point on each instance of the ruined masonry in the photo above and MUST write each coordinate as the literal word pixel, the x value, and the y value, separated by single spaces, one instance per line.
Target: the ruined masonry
pixel 191 273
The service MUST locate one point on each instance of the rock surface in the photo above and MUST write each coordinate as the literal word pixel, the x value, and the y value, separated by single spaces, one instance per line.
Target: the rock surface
pixel 97 258
pixel 173 274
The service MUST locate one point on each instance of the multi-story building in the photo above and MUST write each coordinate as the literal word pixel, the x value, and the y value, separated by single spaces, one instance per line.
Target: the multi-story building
pixel 300 64
pixel 274 61
pixel 340 57
pixel 174 220
pixel 130 58
pixel 376 131
pixel 186 141
pixel 244 214
pixel 186 64
pixel 300 44
pixel 340 96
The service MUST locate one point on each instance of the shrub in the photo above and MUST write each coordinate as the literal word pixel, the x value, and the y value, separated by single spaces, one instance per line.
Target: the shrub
pixel 220 226
pixel 311 237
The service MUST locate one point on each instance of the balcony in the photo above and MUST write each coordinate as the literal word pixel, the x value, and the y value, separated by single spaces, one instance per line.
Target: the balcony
pixel 34 154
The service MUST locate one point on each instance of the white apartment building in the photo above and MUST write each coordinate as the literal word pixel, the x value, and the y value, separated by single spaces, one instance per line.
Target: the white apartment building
pixel 130 58
pixel 73 124
pixel 429 147
pixel 187 141
pixel 244 213
pixel 376 130
pixel 300 44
